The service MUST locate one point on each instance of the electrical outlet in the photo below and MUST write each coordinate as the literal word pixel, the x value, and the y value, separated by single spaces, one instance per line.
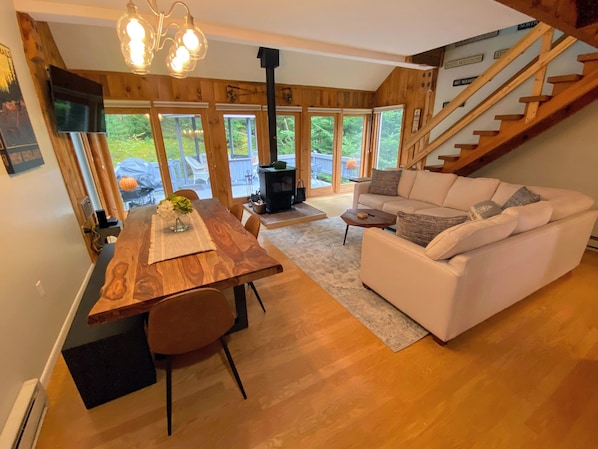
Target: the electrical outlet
pixel 87 208
pixel 40 289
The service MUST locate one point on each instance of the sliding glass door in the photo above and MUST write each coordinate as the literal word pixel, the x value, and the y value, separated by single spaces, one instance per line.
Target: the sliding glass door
pixel 131 143
pixel 242 147
pixel 338 143
pixel 185 148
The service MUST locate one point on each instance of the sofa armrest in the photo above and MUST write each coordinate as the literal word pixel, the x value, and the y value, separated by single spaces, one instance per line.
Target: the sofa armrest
pixel 360 187
pixel 400 272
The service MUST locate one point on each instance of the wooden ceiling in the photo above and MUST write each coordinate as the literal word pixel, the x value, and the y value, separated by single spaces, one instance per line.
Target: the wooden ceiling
pixel 578 18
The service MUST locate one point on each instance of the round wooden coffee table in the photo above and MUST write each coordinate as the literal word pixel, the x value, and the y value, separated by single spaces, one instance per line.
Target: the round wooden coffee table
pixel 375 219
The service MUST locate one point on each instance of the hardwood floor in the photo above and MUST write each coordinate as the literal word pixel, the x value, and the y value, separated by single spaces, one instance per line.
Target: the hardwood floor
pixel 316 378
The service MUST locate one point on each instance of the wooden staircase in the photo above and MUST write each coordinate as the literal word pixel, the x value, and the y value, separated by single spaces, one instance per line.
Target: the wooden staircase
pixel 570 93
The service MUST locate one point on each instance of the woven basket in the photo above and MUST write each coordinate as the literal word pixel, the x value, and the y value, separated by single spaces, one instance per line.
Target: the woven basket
pixel 259 208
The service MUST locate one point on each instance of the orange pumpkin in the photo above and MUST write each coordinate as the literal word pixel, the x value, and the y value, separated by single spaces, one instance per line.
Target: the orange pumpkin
pixel 128 183
pixel 351 164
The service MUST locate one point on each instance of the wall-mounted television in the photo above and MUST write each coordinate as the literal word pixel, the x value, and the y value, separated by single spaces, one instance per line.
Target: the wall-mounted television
pixel 78 102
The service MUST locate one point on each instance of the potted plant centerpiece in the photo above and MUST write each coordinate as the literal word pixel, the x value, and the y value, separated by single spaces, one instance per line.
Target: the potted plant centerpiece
pixel 175 207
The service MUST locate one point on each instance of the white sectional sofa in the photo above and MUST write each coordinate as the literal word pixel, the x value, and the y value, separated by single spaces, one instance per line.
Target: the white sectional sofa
pixel 473 270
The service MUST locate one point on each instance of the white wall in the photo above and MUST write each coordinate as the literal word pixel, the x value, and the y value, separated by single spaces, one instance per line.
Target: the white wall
pixel 565 156
pixel 40 241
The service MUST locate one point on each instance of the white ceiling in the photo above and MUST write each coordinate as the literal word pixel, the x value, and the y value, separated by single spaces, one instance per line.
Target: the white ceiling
pixel 337 43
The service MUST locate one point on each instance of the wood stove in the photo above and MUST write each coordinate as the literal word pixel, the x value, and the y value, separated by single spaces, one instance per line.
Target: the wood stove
pixel 277 188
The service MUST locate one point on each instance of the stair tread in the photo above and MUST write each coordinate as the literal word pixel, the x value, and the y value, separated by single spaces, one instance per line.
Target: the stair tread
pixel 466 146
pixel 564 78
pixel 486 133
pixel 509 117
pixel 435 168
pixel 588 57
pixel 449 157
pixel 539 98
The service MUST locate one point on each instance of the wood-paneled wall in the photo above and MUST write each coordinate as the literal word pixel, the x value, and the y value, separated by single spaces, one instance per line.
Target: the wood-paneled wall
pixel 41 51
pixel 128 86
pixel 413 88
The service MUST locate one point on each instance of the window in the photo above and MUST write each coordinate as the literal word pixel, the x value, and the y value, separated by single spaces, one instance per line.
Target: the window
pixel 388 136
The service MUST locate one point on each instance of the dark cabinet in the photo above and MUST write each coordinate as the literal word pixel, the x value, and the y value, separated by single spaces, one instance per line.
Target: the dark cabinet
pixel 107 360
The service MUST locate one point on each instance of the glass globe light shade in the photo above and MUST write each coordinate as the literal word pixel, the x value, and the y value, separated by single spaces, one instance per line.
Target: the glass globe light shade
pixel 193 39
pixel 178 62
pixel 137 40
pixel 138 56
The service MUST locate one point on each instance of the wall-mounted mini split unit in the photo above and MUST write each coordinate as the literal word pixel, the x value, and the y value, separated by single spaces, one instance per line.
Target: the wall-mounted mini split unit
pixel 25 420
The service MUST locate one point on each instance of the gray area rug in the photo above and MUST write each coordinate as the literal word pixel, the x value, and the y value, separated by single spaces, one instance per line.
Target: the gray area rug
pixel 317 248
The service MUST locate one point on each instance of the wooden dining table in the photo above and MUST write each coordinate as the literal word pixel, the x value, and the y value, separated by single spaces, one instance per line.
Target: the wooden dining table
pixel 132 285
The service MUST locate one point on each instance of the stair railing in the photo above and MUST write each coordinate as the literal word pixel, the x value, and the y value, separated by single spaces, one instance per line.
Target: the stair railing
pixel 416 152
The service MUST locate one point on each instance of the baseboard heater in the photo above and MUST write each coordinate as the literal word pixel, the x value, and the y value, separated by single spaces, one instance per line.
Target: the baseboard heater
pixel 25 420
pixel 593 243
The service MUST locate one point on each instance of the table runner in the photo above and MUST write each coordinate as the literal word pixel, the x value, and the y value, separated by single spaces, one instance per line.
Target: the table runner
pixel 166 244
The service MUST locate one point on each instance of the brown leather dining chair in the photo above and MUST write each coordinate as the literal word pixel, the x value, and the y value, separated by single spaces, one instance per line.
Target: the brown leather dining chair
pixel 237 211
pixel 187 193
pixel 252 225
pixel 185 322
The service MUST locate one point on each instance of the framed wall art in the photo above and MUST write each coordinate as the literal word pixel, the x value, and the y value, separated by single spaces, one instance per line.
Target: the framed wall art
pixel 19 149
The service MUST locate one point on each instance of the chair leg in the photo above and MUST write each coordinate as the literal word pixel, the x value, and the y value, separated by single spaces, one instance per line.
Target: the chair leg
pixel 169 394
pixel 232 366
pixel 257 295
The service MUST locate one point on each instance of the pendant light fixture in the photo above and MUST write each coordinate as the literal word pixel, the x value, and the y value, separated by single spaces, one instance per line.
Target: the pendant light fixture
pixel 139 40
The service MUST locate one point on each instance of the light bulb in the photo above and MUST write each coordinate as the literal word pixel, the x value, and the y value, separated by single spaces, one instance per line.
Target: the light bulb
pixel 191 41
pixel 182 54
pixel 137 50
pixel 135 30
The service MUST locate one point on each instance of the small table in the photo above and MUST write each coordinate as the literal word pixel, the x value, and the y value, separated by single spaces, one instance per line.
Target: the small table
pixel 359 179
pixel 375 219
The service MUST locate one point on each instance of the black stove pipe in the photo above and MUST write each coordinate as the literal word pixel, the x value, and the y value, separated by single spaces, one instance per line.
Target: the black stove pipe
pixel 269 59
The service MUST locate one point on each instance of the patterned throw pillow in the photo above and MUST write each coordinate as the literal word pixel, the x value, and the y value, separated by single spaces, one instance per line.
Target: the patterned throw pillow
pixel 421 229
pixel 522 197
pixel 484 209
pixel 385 182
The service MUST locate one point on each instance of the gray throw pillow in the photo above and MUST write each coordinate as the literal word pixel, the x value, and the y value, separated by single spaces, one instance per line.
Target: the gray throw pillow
pixel 522 197
pixel 385 182
pixel 421 229
pixel 484 209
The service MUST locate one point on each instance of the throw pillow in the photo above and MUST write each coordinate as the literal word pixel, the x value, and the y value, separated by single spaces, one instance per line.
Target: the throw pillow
pixel 522 197
pixel 484 209
pixel 470 235
pixel 421 229
pixel 385 182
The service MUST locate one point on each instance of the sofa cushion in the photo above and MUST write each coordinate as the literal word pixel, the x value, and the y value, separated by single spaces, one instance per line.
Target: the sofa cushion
pixel 385 182
pixel 521 197
pixel 530 216
pixel 504 191
pixel 470 235
pixel 441 212
pixel 564 202
pixel 421 229
pixel 468 191
pixel 484 209
pixel 407 206
pixel 432 187
pixel 406 182
pixel 374 201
